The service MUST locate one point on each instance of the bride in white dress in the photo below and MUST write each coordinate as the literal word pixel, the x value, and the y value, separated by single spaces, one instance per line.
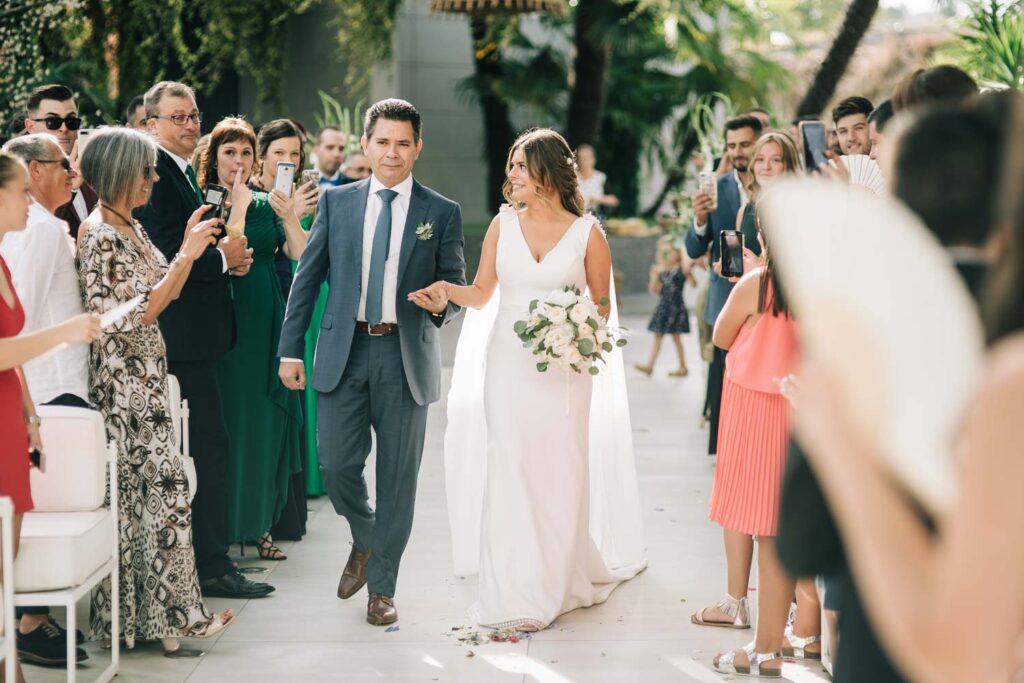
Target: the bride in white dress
pixel 541 480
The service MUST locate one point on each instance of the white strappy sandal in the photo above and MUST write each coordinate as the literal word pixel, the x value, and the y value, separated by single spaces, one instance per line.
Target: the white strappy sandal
pixel 737 610
pixel 726 663
pixel 797 648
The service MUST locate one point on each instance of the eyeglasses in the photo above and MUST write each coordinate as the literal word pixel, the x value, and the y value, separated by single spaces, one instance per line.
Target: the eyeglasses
pixel 182 119
pixel 65 162
pixel 55 122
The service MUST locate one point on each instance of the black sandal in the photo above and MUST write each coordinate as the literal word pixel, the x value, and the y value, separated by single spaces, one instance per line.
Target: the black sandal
pixel 267 550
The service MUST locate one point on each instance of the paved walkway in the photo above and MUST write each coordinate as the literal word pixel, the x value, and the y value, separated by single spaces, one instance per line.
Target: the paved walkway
pixel 643 633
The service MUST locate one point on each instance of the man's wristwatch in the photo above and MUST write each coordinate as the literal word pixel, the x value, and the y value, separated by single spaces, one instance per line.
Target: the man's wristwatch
pixel 33 420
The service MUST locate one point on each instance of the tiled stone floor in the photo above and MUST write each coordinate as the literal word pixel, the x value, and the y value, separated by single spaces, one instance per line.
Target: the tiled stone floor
pixel 304 633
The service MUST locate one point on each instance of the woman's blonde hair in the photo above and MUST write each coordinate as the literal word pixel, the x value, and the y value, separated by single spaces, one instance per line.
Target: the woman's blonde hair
pixel 790 158
pixel 551 164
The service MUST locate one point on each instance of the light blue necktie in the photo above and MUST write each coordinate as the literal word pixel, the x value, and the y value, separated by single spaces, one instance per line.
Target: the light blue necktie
pixel 378 257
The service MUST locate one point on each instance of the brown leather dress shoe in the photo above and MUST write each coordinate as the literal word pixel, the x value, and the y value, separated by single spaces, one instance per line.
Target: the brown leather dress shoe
pixel 381 610
pixel 354 576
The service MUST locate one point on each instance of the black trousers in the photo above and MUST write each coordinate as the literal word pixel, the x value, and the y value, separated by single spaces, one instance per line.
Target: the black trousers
pixel 716 375
pixel 72 401
pixel 208 446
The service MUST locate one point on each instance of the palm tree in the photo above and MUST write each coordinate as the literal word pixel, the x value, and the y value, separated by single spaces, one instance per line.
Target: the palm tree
pixel 855 24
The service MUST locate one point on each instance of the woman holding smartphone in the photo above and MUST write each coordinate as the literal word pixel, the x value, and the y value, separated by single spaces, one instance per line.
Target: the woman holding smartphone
pixel 262 416
pixel 18 420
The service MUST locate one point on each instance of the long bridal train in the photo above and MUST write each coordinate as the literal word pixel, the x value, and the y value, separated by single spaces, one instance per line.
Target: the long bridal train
pixel 541 480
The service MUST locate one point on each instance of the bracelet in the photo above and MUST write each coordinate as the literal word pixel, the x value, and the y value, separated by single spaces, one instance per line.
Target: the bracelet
pixel 33 420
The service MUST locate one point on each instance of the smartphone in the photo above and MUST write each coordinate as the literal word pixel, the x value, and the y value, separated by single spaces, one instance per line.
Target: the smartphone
pixel 310 176
pixel 215 196
pixel 84 135
pixel 285 177
pixel 812 133
pixel 709 185
pixel 731 244
pixel 37 459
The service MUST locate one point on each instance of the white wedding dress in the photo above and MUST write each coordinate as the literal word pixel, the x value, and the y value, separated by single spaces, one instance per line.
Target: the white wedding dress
pixel 541 480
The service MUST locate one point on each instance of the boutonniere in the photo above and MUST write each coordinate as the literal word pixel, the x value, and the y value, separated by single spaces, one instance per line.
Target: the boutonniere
pixel 424 231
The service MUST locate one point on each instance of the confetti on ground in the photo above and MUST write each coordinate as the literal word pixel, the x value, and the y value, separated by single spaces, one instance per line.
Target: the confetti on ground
pixel 391 629
pixel 471 654
pixel 659 509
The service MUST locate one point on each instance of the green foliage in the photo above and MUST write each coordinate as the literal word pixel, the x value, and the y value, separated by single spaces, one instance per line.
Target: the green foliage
pixel 364 36
pixel 348 121
pixel 992 43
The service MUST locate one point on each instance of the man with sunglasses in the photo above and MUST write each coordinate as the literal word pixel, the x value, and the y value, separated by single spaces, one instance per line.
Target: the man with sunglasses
pixel 42 264
pixel 198 329
pixel 52 109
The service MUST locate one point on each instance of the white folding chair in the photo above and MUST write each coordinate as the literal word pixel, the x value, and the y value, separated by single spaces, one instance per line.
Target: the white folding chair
pixel 179 417
pixel 69 542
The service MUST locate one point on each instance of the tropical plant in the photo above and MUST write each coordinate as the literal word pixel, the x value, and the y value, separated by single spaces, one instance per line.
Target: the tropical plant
pixel 855 24
pixel 348 121
pixel 992 43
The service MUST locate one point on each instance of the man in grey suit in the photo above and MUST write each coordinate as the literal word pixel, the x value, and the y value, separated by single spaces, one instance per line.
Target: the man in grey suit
pixel 740 135
pixel 378 359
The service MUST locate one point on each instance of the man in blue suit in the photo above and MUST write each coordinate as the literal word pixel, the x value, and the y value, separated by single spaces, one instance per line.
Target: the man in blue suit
pixel 378 359
pixel 740 135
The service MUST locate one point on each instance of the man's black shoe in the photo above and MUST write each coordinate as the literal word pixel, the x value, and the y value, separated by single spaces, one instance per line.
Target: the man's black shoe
pixel 234 585
pixel 79 636
pixel 46 646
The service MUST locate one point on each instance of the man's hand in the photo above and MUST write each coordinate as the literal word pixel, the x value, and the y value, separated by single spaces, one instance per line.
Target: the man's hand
pixel 293 375
pixel 702 203
pixel 235 251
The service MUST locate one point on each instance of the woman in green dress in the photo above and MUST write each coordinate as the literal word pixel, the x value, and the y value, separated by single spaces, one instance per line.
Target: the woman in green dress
pixel 263 417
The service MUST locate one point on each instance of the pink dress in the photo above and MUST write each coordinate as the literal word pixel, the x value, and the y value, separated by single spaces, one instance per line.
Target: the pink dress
pixel 753 434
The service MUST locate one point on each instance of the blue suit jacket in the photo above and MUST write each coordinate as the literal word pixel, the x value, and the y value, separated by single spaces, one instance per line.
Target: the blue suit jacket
pixel 722 218
pixel 335 253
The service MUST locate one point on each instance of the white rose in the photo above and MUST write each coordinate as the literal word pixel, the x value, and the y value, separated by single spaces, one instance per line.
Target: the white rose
pixel 561 297
pixel 533 321
pixel 557 314
pixel 579 313
pixel 558 337
pixel 573 356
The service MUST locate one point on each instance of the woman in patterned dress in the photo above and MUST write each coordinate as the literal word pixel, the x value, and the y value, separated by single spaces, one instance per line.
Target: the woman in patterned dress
pixel 117 263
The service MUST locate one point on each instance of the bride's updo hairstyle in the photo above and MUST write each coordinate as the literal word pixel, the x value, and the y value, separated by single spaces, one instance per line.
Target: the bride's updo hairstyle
pixel 551 164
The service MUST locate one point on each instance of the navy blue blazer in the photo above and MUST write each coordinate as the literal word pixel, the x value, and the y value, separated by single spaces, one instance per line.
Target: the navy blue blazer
pixel 722 218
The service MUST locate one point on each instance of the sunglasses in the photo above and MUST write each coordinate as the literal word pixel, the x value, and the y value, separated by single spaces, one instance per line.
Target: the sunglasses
pixel 55 122
pixel 65 162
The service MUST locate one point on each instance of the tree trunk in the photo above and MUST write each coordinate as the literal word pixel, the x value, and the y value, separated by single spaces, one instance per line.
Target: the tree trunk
pixel 590 88
pixel 855 25
pixel 498 132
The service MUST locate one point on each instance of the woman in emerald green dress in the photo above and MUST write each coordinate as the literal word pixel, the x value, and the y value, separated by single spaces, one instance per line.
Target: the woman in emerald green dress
pixel 263 417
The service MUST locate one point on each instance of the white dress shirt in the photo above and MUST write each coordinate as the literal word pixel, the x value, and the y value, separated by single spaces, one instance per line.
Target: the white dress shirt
pixel 399 211
pixel 744 200
pixel 42 263
pixel 183 164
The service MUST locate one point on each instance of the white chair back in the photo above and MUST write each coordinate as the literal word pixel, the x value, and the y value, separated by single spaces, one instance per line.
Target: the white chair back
pixel 179 416
pixel 75 447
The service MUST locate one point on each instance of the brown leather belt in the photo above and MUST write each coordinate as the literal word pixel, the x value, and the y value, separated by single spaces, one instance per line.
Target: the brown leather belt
pixel 378 330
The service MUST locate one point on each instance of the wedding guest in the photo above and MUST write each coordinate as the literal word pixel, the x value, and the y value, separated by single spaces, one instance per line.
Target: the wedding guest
pixel 198 328
pixel 196 160
pixel 952 187
pixel 669 276
pixel 159 586
pixel 356 167
pixel 329 151
pixel 850 117
pixel 878 120
pixel 135 115
pixel 42 264
pixel 762 115
pixel 262 416
pixel 708 222
pixel 936 85
pixel 900 562
pixel 283 140
pixel 592 181
pixel 19 422
pixel 756 326
pixel 745 493
pixel 53 109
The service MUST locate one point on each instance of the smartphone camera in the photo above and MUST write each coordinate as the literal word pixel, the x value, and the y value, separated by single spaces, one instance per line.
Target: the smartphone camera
pixel 812 134
pixel 215 196
pixel 732 253
pixel 37 459
pixel 284 178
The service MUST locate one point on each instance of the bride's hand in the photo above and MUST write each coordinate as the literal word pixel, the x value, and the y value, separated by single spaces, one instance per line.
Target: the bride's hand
pixel 433 298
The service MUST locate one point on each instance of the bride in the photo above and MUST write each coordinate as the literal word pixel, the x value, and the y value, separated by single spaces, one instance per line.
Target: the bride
pixel 551 517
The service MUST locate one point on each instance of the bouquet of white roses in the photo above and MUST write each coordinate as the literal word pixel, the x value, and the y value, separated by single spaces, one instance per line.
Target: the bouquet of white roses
pixel 566 330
